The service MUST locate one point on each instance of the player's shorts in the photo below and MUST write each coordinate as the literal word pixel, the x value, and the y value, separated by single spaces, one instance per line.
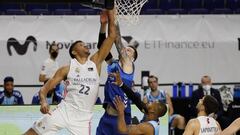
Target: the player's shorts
pixel 64 116
pixel 108 124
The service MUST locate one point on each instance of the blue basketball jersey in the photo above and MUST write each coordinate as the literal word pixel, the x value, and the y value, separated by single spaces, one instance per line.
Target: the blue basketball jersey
pixel 160 97
pixel 111 90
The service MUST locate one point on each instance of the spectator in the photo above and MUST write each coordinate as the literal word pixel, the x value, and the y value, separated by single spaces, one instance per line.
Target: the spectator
pixel 176 121
pixel 205 88
pixel 50 66
pixel 52 98
pixel 9 96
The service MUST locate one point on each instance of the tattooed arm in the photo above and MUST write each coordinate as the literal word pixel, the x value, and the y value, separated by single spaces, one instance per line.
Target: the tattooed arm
pixel 125 60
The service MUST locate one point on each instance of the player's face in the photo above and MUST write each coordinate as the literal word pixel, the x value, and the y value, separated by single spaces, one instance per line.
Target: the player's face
pixel 153 84
pixel 8 86
pixel 82 49
pixel 151 115
pixel 130 52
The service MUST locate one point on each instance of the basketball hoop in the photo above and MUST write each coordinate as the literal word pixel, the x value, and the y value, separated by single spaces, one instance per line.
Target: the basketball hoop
pixel 129 10
pixel 126 10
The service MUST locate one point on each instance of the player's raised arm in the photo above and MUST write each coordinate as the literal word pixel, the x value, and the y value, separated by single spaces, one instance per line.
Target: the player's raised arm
pixel 102 34
pixel 102 53
pixel 127 55
pixel 232 128
pixel 118 41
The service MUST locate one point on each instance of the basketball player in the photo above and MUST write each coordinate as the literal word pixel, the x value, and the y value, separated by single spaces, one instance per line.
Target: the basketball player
pixel 109 59
pixel 149 127
pixel 125 65
pixel 203 124
pixel 82 78
pixel 153 111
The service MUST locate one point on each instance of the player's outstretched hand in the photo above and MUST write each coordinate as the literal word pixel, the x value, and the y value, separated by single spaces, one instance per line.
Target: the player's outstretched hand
pixel 45 108
pixel 103 17
pixel 119 104
pixel 111 15
pixel 118 80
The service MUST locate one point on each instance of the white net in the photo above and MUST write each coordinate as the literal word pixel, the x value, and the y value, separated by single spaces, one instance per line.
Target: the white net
pixel 129 10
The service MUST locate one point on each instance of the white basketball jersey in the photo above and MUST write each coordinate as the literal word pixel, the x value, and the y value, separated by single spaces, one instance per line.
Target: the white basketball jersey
pixel 208 125
pixel 82 85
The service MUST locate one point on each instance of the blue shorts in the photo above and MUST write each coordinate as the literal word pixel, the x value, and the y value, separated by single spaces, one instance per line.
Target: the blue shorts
pixel 108 124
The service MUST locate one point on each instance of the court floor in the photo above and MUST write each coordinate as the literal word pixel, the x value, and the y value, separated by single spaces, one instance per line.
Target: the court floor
pixel 15 120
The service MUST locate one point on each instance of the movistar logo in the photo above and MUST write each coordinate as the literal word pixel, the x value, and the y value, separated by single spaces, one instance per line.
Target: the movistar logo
pixel 21 49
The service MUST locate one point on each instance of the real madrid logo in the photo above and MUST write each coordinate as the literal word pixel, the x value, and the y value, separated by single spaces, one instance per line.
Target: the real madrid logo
pixel 77 70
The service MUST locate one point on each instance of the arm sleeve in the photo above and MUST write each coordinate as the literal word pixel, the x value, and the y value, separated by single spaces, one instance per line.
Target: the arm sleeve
pixel 101 38
pixel 135 99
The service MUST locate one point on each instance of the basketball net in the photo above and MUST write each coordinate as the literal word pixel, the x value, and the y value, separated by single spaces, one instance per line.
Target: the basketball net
pixel 129 10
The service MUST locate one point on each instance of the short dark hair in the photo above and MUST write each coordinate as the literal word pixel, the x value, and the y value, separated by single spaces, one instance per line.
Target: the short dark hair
pixel 152 76
pixel 8 79
pixel 72 46
pixel 51 46
pixel 161 109
pixel 135 52
pixel 211 104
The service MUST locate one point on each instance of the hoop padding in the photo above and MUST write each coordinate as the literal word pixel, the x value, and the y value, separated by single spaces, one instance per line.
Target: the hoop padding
pixel 129 10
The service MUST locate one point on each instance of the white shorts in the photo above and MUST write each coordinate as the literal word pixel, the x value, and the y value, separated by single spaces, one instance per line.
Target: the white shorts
pixel 64 116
